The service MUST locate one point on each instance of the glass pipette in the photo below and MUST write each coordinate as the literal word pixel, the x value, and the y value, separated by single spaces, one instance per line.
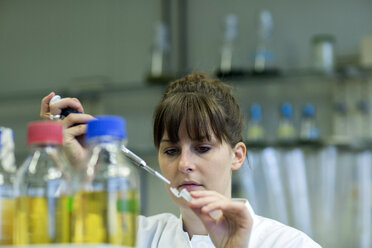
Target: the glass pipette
pixel 140 162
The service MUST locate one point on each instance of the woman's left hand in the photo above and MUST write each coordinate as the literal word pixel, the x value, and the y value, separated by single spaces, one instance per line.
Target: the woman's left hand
pixel 233 226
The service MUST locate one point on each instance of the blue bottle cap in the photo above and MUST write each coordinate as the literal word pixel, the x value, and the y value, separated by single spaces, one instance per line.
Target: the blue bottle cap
pixel 362 105
pixel 106 125
pixel 286 110
pixel 308 110
pixel 340 107
pixel 256 112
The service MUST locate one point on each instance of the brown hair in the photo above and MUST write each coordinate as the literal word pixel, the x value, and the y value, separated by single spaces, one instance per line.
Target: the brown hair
pixel 204 104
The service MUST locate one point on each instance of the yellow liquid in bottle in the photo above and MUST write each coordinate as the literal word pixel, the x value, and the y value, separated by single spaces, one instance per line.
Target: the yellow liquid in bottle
pixel 38 221
pixel 101 217
pixel 6 220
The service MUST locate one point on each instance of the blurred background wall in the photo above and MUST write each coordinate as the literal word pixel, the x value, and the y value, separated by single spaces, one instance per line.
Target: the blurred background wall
pixel 100 51
pixel 64 45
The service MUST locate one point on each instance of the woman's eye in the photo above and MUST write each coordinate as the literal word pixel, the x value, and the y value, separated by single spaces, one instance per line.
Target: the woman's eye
pixel 203 149
pixel 170 151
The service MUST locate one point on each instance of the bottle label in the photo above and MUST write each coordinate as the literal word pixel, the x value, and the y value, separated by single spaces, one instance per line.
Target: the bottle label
pixel 6 191
pixel 117 183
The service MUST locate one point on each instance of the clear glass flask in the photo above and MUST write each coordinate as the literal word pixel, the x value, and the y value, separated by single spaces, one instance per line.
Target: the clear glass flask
pixel 42 188
pixel 106 200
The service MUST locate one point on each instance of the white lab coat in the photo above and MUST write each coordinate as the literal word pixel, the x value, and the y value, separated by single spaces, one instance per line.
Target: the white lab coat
pixel 165 230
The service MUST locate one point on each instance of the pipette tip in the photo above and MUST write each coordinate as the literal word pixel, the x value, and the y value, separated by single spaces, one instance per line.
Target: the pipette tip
pixel 183 193
pixel 162 177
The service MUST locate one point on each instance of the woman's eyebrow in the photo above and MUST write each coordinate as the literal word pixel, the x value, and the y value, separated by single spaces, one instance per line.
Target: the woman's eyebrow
pixel 203 139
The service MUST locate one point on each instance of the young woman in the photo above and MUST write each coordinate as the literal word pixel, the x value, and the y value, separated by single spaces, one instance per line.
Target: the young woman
pixel 197 133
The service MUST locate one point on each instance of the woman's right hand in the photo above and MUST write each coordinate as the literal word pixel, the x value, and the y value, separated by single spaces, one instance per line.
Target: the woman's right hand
pixel 229 223
pixel 74 125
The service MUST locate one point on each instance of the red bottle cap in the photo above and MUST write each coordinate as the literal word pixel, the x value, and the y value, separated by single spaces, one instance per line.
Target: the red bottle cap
pixel 45 132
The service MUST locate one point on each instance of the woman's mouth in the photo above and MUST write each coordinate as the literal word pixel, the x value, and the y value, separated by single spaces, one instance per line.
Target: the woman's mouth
pixel 189 185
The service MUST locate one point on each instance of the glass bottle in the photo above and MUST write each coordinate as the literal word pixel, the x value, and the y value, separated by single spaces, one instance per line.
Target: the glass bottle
pixel 340 121
pixel 42 188
pixel 255 130
pixel 228 45
pixel 264 56
pixel 286 130
pixel 308 128
pixel 106 201
pixel 160 68
pixel 323 52
pixel 7 171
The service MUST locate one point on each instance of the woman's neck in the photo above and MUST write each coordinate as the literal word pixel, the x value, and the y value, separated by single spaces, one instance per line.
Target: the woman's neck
pixel 192 223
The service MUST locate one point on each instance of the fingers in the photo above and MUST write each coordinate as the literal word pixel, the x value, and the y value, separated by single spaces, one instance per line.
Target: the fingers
pixel 210 201
pixel 233 225
pixel 75 126
pixel 207 201
pixel 76 119
pixel 73 132
pixel 44 108
pixel 56 107
pixel 205 194
pixel 201 205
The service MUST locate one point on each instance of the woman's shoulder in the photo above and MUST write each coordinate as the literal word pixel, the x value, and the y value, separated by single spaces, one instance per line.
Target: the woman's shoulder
pixel 271 233
pixel 161 230
pixel 158 220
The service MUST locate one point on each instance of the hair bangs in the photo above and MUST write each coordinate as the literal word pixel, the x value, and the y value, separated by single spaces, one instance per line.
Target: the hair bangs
pixel 198 113
pixel 196 118
pixel 173 113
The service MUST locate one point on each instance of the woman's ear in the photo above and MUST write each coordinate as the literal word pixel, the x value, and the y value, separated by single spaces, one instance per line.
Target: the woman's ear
pixel 239 152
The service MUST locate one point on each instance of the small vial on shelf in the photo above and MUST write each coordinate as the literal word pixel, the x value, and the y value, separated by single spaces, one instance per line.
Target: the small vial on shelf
pixel 264 56
pixel 231 22
pixel 308 128
pixel 340 122
pixel 286 130
pixel 323 46
pixel 361 121
pixel 255 129
pixel 160 70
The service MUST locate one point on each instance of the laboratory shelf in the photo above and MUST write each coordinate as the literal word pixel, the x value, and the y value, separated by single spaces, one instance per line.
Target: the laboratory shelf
pixel 345 144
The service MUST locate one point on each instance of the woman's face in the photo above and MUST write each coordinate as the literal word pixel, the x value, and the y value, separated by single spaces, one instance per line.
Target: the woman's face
pixel 197 165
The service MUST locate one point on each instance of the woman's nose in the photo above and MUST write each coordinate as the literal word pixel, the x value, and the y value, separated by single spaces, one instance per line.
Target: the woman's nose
pixel 185 164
